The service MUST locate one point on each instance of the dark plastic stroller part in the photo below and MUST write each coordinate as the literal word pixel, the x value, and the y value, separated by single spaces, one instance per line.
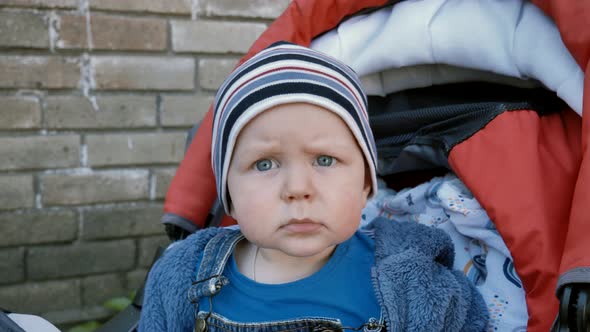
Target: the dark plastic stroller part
pixel 176 232
pixel 191 133
pixel 215 215
pixel 416 129
pixel 214 218
pixel 574 309
pixel 128 319
pixel 125 321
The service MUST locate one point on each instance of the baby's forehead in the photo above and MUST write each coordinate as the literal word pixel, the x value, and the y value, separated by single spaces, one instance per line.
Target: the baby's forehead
pixel 302 116
pixel 307 127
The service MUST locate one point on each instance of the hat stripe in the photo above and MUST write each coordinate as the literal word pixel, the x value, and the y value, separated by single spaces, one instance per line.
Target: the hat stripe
pixel 250 83
pixel 279 50
pixel 277 76
pixel 277 56
pixel 292 88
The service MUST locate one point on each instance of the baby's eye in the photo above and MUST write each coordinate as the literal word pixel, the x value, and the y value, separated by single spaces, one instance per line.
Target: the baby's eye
pixel 325 161
pixel 264 165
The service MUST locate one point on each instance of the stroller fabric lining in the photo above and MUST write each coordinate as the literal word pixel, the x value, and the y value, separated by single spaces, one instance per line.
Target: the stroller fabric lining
pixel 414 33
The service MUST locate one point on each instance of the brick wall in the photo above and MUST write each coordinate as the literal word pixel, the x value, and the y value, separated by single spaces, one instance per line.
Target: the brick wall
pixel 95 99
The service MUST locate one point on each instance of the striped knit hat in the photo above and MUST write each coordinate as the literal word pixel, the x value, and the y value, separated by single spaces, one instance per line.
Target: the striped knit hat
pixel 281 74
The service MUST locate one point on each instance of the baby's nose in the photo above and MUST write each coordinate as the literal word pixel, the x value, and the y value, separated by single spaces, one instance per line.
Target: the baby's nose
pixel 298 184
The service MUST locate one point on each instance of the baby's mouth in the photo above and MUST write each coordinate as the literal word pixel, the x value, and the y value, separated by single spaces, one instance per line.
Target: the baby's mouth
pixel 302 226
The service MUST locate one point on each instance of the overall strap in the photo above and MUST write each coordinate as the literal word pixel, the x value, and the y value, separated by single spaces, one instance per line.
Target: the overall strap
pixel 215 255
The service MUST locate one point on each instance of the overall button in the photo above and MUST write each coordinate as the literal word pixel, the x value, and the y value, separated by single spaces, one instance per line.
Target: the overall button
pixel 200 325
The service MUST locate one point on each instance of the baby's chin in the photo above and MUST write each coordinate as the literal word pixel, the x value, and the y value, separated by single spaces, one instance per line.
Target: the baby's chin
pixel 308 250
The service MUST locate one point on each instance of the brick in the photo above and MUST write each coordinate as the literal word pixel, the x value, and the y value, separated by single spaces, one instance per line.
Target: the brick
pixel 38 297
pixel 203 36
pixel 38 227
pixel 135 149
pixel 98 289
pixel 71 32
pixel 35 152
pixel 12 267
pixel 23 29
pixel 250 8
pixel 163 177
pixel 147 249
pixel 184 111
pixel 39 72
pixel 143 73
pixel 135 279
pixel 82 259
pixel 113 112
pixel 149 6
pixel 112 33
pixel 19 112
pixel 107 223
pixel 41 3
pixel 212 72
pixel 95 187
pixel 16 191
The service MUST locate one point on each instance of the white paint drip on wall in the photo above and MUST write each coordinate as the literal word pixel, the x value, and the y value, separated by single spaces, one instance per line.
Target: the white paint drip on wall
pixel 84 8
pixel 86 72
pixel 194 9
pixel 54 27
pixel 87 80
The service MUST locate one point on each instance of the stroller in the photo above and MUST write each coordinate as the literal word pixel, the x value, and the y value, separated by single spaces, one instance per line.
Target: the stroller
pixel 486 89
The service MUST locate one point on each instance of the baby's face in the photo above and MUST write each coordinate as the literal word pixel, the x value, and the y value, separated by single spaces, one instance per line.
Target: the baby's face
pixel 297 180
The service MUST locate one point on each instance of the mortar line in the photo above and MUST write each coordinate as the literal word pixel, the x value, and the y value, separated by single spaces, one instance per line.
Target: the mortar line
pixel 84 7
pixel 153 183
pixel 83 151
pixel 37 190
pixel 54 27
pixel 159 111
pixel 80 211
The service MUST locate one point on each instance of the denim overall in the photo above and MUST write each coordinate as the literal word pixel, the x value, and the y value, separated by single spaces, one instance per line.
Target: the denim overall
pixel 210 281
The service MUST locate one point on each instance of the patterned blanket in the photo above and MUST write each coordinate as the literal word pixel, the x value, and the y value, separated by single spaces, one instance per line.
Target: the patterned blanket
pixel 480 252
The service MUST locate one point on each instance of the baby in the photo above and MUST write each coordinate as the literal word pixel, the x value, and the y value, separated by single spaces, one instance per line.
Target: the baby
pixel 295 162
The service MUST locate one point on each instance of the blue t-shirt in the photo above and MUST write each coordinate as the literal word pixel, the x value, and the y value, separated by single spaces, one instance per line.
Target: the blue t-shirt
pixel 342 289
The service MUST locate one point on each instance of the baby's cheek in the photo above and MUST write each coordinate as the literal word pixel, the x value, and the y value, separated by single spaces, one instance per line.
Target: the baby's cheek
pixel 247 192
pixel 253 207
pixel 355 203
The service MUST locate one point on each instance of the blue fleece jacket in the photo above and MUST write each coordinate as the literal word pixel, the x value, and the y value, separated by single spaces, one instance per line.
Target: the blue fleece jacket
pixel 413 278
